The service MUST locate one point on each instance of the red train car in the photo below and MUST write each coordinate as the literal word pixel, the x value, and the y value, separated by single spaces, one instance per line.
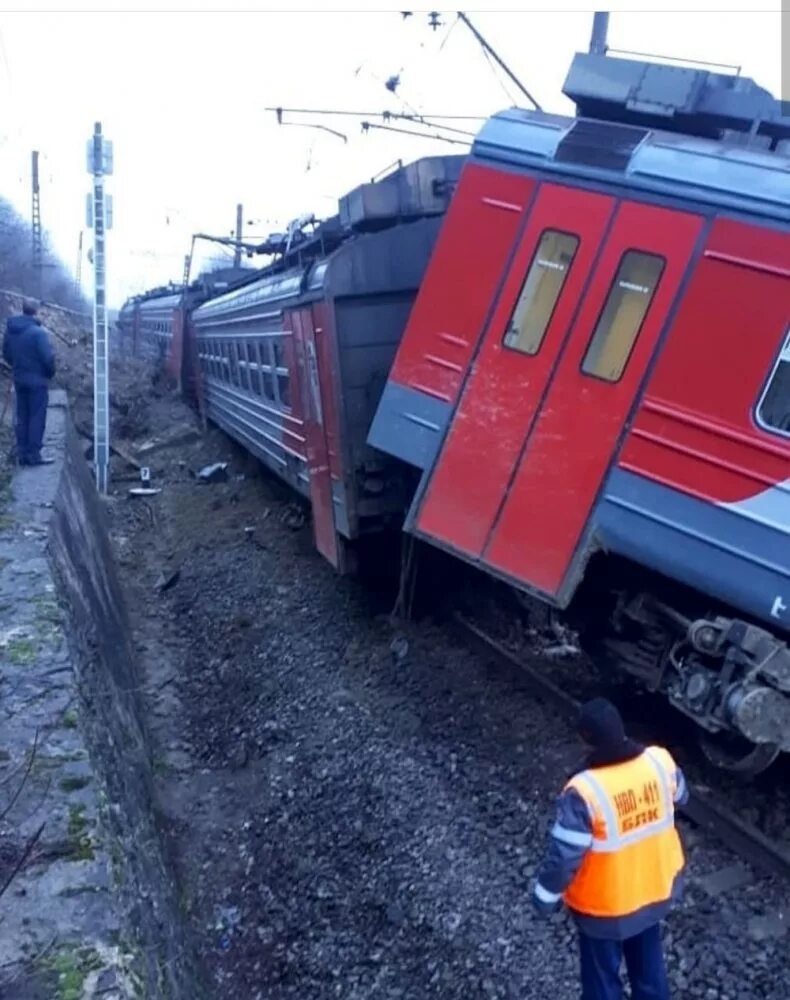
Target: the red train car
pixel 595 380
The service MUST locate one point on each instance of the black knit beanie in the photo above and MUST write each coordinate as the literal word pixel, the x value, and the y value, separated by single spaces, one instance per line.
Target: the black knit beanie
pixel 601 725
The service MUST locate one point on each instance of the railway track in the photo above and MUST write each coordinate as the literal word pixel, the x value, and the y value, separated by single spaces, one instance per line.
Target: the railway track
pixel 704 811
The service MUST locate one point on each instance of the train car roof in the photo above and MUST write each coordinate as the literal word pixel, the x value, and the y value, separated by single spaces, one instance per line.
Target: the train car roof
pixel 738 177
pixel 379 262
pixel 170 300
pixel 266 289
pixel 679 132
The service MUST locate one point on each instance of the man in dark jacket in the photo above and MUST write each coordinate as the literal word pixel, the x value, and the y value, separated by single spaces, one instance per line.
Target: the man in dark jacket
pixel 27 349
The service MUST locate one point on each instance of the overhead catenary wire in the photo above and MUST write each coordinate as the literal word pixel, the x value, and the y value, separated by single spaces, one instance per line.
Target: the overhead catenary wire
pixel 500 62
pixel 386 116
pixel 373 114
pixel 498 79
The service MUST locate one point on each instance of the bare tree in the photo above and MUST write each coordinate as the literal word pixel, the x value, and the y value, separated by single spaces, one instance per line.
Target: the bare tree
pixel 17 272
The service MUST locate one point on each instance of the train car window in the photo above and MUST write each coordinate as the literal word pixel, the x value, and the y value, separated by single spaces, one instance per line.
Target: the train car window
pixel 773 410
pixel 623 314
pixel 541 291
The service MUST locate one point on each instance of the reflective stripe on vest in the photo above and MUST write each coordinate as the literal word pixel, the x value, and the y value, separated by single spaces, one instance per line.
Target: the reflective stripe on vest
pixel 635 852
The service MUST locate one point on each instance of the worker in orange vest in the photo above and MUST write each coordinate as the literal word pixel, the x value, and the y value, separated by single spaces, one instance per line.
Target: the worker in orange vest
pixel 615 857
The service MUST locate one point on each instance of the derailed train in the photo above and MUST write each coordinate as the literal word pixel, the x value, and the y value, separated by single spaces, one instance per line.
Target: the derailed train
pixel 564 359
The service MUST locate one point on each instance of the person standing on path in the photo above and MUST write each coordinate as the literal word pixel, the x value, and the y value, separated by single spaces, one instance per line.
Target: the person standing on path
pixel 27 349
pixel 615 857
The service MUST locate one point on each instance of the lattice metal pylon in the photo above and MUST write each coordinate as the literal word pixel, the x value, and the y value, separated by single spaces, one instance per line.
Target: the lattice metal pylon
pixel 100 164
pixel 35 226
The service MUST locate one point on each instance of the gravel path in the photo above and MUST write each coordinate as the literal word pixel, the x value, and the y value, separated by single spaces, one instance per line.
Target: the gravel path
pixel 354 817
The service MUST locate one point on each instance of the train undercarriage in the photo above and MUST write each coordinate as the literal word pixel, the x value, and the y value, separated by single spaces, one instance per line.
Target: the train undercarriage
pixel 731 677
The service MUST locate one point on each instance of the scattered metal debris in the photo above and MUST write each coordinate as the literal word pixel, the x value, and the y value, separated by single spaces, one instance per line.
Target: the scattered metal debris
pixel 179 435
pixel 216 473
pixel 293 517
pixel 167 580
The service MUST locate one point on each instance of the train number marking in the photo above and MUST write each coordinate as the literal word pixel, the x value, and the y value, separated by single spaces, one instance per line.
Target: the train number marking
pixel 779 607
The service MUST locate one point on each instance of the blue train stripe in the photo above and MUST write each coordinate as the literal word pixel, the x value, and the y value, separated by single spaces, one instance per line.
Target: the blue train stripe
pixel 718 549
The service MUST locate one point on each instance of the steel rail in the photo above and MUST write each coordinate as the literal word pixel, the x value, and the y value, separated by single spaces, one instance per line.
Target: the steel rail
pixel 716 819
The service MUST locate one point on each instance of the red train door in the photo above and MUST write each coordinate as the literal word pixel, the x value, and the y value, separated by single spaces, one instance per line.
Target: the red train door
pixel 514 365
pixel 570 408
pixel 316 438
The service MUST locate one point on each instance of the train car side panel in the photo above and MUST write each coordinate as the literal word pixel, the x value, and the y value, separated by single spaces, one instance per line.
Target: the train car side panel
pixel 465 270
pixel 461 281
pixel 700 482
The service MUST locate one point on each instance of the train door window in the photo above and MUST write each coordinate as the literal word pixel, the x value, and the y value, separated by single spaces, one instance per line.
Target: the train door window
pixel 623 314
pixel 541 291
pixel 283 375
pixel 267 369
pixel 773 410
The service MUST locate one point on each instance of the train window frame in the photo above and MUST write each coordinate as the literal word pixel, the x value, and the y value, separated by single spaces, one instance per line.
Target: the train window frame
pixel 782 358
pixel 282 373
pixel 254 368
pixel 268 380
pixel 244 371
pixel 534 260
pixel 605 307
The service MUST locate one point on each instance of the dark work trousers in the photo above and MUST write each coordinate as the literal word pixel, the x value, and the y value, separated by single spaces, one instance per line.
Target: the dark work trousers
pixel 31 419
pixel 644 960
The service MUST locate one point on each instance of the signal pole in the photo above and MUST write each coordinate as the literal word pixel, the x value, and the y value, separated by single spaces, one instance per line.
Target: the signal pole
pixel 237 254
pixel 38 252
pixel 100 218
pixel 78 272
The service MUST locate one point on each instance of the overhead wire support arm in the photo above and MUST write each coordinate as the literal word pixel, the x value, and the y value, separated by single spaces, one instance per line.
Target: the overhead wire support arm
pixel 500 62
pixel 420 135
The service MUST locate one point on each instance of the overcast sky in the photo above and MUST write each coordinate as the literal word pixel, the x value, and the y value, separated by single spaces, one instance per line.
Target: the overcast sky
pixel 182 95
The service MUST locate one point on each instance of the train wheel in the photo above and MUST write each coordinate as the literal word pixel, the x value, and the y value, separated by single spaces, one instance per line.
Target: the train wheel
pixel 733 753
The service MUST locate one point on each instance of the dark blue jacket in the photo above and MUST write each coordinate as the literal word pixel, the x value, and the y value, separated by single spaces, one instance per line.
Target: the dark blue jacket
pixel 27 348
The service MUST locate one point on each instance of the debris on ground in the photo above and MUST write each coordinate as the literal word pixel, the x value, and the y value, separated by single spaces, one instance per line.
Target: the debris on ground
pixel 216 473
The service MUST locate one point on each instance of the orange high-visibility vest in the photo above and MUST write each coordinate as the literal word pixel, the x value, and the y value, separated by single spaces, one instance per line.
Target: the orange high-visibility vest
pixel 635 853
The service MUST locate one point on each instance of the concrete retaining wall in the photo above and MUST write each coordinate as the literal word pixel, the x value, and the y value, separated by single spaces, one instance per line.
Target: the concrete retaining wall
pixel 94 909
